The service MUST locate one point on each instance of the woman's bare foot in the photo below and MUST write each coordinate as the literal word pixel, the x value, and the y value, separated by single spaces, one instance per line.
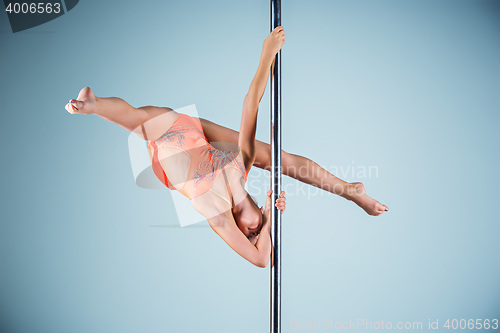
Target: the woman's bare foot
pixel 356 193
pixel 85 103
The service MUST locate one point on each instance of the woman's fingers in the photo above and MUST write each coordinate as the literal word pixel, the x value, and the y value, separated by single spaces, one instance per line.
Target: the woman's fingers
pixel 281 206
pixel 281 202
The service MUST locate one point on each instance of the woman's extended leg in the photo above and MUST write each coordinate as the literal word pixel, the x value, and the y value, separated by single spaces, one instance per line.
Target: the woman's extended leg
pixel 298 167
pixel 113 109
pixel 303 169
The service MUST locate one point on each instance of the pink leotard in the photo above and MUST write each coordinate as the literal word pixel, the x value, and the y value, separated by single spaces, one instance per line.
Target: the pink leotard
pixel 206 162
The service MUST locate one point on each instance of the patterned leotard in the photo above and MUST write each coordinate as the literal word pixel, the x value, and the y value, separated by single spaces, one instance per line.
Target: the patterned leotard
pixel 205 161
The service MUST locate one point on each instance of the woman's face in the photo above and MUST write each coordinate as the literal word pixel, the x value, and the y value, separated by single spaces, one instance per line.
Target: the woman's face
pixel 248 217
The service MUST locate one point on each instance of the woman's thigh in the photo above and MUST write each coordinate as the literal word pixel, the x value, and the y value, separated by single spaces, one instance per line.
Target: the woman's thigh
pixel 218 133
pixel 157 121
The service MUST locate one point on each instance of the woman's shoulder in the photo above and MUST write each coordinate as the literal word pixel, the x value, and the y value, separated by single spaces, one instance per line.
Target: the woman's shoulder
pixel 211 205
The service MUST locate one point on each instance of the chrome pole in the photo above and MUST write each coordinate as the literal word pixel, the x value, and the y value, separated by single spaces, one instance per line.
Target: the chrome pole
pixel 276 177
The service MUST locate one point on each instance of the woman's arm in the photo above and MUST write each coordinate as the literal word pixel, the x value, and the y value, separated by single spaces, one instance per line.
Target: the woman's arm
pixel 225 226
pixel 246 140
pixel 258 254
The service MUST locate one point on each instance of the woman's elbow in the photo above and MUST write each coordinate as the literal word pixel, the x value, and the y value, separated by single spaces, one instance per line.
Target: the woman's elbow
pixel 262 263
pixel 251 101
pixel 248 155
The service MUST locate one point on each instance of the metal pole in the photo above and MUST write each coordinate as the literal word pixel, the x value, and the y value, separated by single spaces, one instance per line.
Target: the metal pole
pixel 276 176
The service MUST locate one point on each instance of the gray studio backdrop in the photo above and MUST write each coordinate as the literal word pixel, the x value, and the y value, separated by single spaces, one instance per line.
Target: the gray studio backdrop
pixel 400 95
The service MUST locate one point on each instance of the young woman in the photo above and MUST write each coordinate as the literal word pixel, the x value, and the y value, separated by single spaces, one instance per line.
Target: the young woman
pixel 185 157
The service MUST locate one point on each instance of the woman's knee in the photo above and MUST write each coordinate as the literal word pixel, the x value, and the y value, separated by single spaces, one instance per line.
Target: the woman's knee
pixel 263 157
pixel 286 158
pixel 286 162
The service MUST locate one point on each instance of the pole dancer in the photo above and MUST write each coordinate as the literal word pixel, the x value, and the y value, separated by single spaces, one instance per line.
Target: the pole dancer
pixel 184 159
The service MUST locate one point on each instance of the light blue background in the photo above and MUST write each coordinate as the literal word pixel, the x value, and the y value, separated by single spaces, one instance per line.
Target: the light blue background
pixel 411 87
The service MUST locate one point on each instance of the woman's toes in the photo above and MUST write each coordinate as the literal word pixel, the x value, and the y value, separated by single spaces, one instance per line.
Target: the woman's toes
pixel 80 105
pixel 68 108
pixel 75 106
pixel 380 208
